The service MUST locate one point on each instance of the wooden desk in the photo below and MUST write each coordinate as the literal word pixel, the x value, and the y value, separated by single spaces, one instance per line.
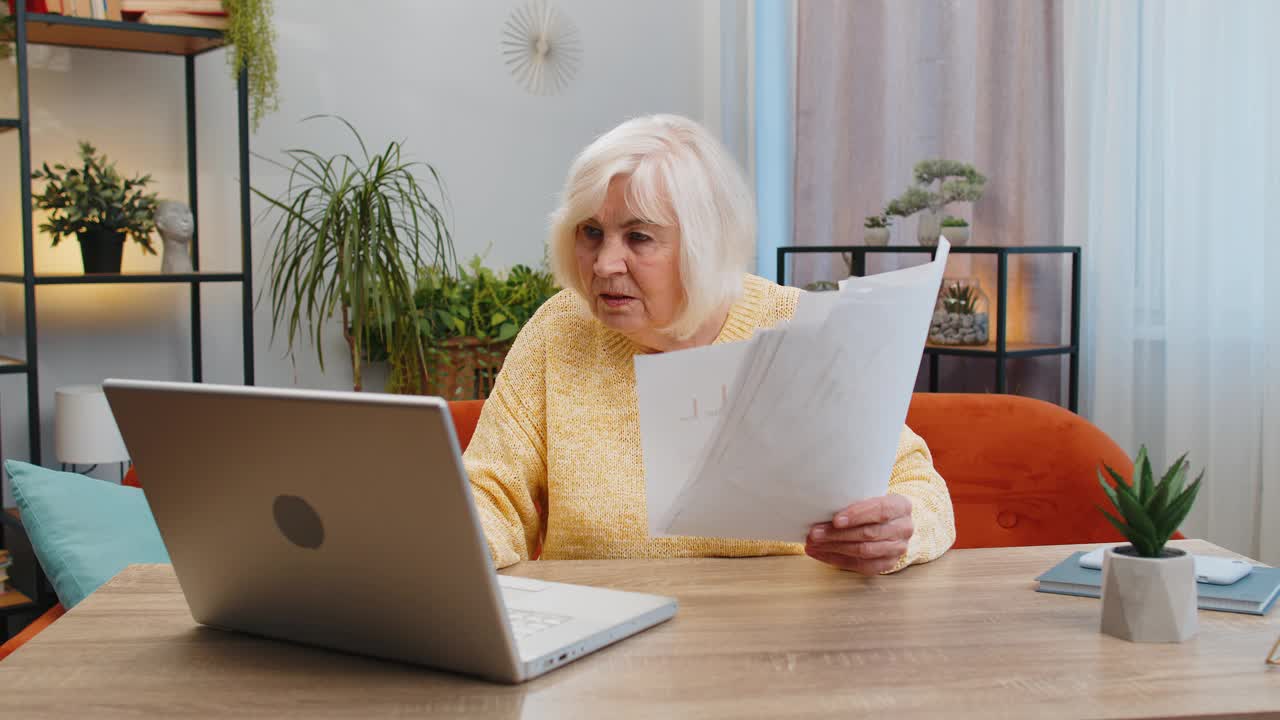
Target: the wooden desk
pixel 770 637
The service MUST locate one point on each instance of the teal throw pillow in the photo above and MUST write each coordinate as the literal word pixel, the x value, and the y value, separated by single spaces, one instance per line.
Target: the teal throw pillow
pixel 83 530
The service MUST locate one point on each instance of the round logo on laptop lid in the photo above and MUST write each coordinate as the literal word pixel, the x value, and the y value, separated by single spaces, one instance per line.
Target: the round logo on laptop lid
pixel 298 521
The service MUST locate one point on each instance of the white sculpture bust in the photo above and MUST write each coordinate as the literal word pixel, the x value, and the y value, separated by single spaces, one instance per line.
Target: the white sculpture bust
pixel 176 226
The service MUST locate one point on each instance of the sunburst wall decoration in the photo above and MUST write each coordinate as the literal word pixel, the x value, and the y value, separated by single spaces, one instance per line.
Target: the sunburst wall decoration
pixel 542 48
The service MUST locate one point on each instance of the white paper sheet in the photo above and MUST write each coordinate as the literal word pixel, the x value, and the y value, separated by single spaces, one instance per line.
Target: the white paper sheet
pixel 678 411
pixel 761 439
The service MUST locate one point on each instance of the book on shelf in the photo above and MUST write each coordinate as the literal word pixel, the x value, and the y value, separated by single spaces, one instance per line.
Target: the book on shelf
pixel 92 9
pixel 38 6
pixel 210 22
pixel 196 7
pixel 1255 594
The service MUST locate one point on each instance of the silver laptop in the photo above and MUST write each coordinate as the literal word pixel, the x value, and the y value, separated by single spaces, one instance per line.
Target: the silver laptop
pixel 345 520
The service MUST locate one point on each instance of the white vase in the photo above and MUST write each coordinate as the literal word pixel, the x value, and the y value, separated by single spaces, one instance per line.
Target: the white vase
pixel 1149 599
pixel 956 235
pixel 929 227
pixel 876 236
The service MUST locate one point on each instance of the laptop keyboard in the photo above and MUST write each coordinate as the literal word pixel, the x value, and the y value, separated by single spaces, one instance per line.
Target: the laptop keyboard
pixel 527 622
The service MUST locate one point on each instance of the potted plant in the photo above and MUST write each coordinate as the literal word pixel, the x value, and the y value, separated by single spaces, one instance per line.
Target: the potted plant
pixel 955 230
pixel 956 182
pixel 351 234
pixel 252 38
pixel 467 321
pixel 877 230
pixel 960 316
pixel 821 286
pixel 97 205
pixel 1148 590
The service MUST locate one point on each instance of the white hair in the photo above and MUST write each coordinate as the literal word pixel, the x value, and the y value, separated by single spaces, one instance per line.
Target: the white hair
pixel 681 177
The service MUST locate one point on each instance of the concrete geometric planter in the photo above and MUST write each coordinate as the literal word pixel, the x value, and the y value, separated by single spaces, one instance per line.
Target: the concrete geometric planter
pixel 876 237
pixel 928 228
pixel 1149 599
pixel 956 235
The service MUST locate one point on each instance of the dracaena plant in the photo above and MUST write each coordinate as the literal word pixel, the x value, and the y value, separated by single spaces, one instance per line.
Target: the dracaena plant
pixel 352 231
pixel 1149 511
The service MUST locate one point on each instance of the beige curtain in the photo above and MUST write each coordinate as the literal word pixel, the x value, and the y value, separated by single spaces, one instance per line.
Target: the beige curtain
pixel 882 84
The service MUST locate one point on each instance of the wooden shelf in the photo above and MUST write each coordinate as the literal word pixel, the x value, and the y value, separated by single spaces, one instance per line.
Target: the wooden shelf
pixel 45 29
pixel 12 600
pixel 126 278
pixel 11 365
pixel 1012 349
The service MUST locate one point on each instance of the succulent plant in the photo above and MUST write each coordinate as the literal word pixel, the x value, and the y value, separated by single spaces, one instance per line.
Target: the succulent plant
pixel 1150 512
pixel 876 221
pixel 960 298
pixel 953 221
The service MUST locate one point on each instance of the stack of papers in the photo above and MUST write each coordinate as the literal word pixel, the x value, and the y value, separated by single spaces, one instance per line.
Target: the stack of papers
pixel 763 438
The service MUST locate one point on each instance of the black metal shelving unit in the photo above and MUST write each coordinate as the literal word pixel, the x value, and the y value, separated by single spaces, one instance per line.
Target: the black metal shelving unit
pixel 1001 349
pixel 184 42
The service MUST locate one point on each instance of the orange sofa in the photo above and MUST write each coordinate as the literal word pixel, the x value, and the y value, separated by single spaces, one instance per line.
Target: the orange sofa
pixel 1020 471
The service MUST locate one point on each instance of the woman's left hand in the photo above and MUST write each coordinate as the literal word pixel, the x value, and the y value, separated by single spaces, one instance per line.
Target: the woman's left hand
pixel 868 537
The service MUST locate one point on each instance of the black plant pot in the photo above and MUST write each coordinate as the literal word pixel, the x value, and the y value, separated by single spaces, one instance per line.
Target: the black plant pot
pixel 101 249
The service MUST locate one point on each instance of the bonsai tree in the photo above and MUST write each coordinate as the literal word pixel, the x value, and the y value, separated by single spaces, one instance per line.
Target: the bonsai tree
pixel 955 182
pixel 1150 512
pixel 910 202
pixel 351 235
pixel 98 205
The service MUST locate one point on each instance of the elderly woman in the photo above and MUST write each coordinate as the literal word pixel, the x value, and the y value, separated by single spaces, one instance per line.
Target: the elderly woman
pixel 651 241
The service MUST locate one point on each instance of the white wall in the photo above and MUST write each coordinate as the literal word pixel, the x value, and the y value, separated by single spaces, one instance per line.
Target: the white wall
pixel 430 73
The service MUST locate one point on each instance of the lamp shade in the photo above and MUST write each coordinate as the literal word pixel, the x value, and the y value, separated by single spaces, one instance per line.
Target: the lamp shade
pixel 85 431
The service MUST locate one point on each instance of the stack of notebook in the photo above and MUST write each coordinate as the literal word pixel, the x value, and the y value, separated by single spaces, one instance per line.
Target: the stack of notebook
pixel 186 13
pixel 1254 594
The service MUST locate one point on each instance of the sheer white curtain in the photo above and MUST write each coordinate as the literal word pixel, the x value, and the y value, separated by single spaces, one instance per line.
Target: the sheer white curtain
pixel 1172 142
pixel 883 84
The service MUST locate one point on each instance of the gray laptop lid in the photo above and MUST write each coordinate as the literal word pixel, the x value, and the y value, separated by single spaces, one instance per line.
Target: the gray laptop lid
pixel 337 519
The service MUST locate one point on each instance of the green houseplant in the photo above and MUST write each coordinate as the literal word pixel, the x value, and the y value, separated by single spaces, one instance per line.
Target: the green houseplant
pixel 960 316
pixel 876 230
pixel 1148 590
pixel 351 233
pixel 252 37
pixel 467 321
pixel 955 230
pixel 99 206
pixel 960 298
pixel 937 184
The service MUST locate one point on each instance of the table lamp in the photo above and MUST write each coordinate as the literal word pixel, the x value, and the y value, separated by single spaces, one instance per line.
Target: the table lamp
pixel 85 431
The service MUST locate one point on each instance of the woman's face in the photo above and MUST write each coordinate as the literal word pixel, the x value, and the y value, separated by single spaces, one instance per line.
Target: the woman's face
pixel 631 269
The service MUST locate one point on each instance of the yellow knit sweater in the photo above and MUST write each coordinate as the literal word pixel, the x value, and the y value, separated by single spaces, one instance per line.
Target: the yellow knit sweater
pixel 561 432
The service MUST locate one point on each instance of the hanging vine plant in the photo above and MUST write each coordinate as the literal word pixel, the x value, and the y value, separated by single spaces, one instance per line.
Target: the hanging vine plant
pixel 253 38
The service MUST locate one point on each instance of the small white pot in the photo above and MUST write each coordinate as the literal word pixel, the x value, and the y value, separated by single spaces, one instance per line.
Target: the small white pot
pixel 956 235
pixel 1149 599
pixel 876 236
pixel 928 228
